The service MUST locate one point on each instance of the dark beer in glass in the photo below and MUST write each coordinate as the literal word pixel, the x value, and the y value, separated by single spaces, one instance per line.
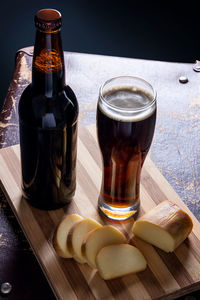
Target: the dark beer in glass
pixel 126 116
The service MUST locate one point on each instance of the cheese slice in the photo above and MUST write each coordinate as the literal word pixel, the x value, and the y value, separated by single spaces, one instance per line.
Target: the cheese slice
pixel 166 226
pixel 77 235
pixel 119 260
pixel 61 234
pixel 99 238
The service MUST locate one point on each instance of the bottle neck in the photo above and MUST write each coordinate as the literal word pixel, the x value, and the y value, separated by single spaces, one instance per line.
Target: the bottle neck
pixel 48 72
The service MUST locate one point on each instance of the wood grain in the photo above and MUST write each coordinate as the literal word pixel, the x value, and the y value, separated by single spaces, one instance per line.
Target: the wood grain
pixel 168 275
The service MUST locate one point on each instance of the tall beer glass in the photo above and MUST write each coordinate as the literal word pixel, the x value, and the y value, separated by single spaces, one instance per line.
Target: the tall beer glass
pixel 126 116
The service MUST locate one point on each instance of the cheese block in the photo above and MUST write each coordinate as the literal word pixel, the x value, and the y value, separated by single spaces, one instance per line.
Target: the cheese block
pixel 61 234
pixel 119 260
pixel 77 235
pixel 166 226
pixel 99 238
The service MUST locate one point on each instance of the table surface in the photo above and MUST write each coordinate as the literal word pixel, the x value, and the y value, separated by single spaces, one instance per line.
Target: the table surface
pixel 175 148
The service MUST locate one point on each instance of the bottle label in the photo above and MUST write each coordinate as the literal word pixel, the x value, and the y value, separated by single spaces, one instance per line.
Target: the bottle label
pixel 48 60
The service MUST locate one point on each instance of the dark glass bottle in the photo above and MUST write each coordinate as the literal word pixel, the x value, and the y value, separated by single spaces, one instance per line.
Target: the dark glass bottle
pixel 48 112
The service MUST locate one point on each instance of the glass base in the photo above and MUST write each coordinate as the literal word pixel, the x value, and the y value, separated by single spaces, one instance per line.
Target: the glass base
pixel 118 213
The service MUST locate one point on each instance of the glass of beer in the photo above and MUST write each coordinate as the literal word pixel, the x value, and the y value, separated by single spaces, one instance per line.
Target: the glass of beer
pixel 126 116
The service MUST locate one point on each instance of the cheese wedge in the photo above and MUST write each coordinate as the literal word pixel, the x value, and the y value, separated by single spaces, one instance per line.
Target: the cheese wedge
pixel 119 260
pixel 166 226
pixel 61 234
pixel 77 235
pixel 99 238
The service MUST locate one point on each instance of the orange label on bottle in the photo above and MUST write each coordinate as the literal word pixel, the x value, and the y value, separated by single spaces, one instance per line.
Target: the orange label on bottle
pixel 48 60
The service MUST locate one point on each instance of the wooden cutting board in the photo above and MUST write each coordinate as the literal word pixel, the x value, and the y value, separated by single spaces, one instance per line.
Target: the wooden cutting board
pixel 167 275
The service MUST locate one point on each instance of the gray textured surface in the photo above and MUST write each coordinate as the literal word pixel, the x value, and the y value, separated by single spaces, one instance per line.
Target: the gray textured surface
pixel 175 148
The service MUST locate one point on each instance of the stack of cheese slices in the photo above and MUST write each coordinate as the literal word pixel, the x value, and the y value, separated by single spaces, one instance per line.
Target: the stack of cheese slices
pixel 104 247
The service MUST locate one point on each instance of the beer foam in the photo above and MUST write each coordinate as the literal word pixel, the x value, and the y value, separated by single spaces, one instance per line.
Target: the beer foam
pixel 127 104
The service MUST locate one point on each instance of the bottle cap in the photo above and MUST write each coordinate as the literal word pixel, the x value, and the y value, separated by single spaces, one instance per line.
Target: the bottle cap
pixel 48 19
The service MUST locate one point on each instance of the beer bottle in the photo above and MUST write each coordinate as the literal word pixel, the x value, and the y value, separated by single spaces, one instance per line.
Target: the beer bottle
pixel 48 112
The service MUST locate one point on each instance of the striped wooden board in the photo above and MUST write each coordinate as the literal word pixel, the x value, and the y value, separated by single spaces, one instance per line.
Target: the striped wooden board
pixel 167 275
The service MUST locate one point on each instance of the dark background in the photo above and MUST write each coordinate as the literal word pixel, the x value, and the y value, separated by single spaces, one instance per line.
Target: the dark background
pixel 138 29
